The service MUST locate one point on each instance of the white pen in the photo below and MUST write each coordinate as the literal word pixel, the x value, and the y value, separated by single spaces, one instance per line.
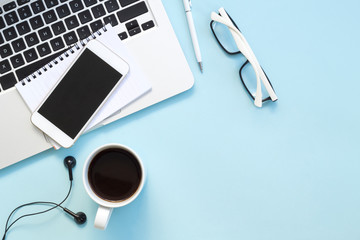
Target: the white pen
pixel 187 5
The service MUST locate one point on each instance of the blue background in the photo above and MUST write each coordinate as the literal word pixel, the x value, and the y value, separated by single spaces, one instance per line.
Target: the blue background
pixel 217 166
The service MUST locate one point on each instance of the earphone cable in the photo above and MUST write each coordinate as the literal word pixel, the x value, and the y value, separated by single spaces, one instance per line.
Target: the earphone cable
pixel 36 213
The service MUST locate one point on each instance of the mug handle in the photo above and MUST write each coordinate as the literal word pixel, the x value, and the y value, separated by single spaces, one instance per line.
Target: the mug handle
pixel 102 217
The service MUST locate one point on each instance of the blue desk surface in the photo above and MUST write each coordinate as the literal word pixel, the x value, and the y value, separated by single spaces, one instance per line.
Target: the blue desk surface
pixel 218 167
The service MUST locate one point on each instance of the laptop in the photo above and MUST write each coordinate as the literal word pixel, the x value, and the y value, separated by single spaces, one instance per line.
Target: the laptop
pixel 33 32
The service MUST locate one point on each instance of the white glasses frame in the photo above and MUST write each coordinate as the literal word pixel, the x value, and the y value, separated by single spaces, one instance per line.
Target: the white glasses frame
pixel 246 50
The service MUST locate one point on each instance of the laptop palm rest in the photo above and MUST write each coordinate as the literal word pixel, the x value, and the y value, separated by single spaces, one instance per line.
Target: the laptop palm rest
pixel 22 138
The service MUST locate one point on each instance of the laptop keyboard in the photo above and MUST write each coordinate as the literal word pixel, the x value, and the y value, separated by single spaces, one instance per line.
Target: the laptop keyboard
pixel 34 32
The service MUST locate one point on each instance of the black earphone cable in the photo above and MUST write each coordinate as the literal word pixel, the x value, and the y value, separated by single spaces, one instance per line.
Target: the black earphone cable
pixel 36 213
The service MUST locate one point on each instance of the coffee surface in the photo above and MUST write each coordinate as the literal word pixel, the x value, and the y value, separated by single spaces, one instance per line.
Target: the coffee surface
pixel 114 174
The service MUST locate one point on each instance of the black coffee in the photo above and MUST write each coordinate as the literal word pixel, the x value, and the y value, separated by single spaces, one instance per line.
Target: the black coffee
pixel 114 174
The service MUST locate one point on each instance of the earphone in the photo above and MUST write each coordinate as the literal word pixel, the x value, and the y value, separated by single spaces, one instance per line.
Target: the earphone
pixel 79 217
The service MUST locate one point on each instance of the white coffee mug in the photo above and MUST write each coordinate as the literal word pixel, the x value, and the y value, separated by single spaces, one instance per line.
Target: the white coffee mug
pixel 106 206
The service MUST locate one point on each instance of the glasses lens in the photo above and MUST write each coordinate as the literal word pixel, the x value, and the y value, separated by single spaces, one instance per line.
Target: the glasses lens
pixel 248 77
pixel 224 37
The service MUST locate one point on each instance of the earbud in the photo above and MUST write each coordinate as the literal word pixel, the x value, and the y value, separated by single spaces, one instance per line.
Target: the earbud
pixel 79 217
pixel 70 162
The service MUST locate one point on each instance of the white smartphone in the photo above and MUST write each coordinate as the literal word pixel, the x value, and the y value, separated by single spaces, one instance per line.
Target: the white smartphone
pixel 80 93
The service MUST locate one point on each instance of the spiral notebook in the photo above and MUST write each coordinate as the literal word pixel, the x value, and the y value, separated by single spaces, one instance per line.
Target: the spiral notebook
pixel 34 88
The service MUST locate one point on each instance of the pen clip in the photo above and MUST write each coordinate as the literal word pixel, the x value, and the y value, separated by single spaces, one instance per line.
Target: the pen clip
pixel 190 5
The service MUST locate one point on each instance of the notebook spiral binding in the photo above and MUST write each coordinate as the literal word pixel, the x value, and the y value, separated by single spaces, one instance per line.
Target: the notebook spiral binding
pixel 70 50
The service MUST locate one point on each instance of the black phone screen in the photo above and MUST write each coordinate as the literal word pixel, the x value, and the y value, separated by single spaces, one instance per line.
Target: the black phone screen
pixel 80 93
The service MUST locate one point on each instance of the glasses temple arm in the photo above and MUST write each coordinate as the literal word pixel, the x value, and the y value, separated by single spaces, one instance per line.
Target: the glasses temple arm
pixel 224 19
pixel 249 54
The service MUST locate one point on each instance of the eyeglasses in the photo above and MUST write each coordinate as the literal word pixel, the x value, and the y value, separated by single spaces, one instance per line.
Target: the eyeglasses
pixel 232 41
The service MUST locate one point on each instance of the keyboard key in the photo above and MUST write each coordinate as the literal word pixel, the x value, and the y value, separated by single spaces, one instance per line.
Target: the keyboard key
pixel 31 39
pixel 111 19
pixel 58 28
pixel 83 32
pixel 18 45
pixel 2 23
pixel 71 22
pixel 76 5
pixel 1 11
pixel 23 28
pixel 134 31
pixel 9 6
pixel 44 49
pixel 89 2
pixel 1 39
pixel 57 44
pixel 10 33
pixel 45 33
pixel 96 25
pixel 5 66
pixel 36 22
pixel 51 3
pixel 131 25
pixel 98 11
pixel 124 3
pixel 22 2
pixel 123 35
pixel 5 50
pixel 147 25
pixel 63 11
pixel 50 16
pixel 63 0
pixel 111 6
pixel 85 16
pixel 70 38
pixel 30 55
pixel 24 12
pixel 17 61
pixel 37 6
pixel 8 81
pixel 132 12
pixel 11 18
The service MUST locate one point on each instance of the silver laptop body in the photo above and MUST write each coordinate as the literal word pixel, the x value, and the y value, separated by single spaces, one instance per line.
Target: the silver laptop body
pixel 152 42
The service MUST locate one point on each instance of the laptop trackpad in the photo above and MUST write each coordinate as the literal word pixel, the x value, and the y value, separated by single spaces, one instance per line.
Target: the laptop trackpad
pixel 19 138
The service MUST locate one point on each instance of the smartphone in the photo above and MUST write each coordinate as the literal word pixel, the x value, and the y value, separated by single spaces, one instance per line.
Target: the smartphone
pixel 80 93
